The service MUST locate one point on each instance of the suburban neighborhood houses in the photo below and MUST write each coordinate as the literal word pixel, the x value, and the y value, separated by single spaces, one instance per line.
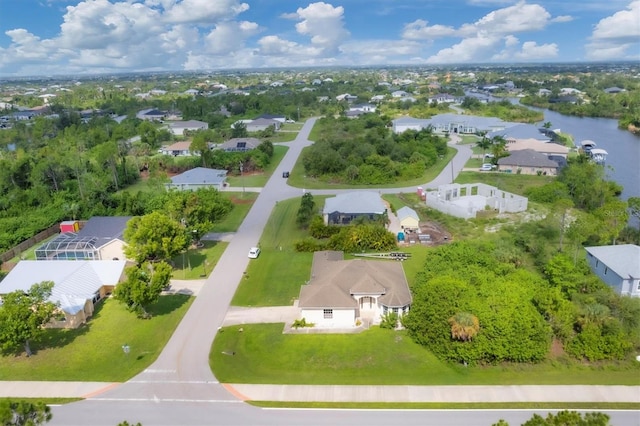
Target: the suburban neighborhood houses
pixel 271 235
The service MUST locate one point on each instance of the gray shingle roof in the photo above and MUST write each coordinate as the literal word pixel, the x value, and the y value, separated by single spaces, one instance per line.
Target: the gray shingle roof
pixel 75 281
pixel 405 212
pixel 334 280
pixel 359 202
pixel 105 227
pixel 200 176
pixel 527 158
pixel 624 259
pixel 520 131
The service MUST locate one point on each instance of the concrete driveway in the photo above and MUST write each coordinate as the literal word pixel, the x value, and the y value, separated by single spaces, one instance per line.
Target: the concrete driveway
pixel 263 315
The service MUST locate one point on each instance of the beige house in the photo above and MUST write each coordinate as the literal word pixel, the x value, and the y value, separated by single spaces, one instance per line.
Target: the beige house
pixel 528 162
pixel 408 218
pixel 78 285
pixel 546 148
pixel 341 292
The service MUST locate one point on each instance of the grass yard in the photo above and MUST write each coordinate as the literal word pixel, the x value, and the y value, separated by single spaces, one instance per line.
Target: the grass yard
pixel 509 182
pixel 469 139
pixel 242 203
pixel 94 352
pixel 283 137
pixel 377 357
pixel 198 262
pixel 300 180
pixel 274 279
pixel 259 179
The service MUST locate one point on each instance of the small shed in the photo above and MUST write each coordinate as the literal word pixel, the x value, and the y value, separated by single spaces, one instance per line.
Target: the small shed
pixel 408 218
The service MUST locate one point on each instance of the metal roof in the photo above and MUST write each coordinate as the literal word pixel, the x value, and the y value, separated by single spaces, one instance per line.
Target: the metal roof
pixel 74 280
pixel 355 202
pixel 624 259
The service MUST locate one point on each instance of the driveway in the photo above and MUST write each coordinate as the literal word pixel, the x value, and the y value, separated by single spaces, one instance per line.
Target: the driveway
pixel 268 314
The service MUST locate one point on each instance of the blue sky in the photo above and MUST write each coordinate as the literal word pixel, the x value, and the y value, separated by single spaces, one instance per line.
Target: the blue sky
pixel 48 37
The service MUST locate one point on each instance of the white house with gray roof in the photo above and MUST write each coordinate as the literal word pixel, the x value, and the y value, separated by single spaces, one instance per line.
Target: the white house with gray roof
pixel 618 266
pixel 343 208
pixel 78 284
pixel 341 292
pixel 402 124
pixel 199 177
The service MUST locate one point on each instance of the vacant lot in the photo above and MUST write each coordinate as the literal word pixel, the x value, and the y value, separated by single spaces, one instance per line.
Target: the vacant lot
pixel 377 357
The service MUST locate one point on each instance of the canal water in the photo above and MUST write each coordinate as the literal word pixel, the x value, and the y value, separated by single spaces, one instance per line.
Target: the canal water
pixel 623 161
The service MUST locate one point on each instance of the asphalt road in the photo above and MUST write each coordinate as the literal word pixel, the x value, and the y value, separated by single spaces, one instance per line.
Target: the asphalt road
pixel 180 389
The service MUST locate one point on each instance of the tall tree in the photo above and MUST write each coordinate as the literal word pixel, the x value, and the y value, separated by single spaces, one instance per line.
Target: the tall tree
pixel 484 144
pixel 143 286
pixel 23 316
pixel 154 237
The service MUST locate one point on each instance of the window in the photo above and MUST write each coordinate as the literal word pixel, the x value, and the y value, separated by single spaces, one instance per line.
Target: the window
pixel 606 270
pixel 395 311
pixel 385 310
pixel 328 313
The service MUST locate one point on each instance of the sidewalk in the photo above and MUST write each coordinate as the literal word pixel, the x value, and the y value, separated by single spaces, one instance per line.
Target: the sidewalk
pixel 53 389
pixel 346 393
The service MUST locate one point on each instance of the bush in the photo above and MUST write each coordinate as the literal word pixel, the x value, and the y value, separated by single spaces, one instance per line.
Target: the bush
pixel 389 320
pixel 302 323
pixel 309 245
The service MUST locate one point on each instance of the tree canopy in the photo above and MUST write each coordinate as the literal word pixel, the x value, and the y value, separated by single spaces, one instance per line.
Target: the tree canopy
pixel 24 413
pixel 23 316
pixel 154 237
pixel 143 286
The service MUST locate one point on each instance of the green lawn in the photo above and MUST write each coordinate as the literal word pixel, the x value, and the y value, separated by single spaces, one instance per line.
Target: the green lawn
pixel 198 262
pixel 377 357
pixel 94 352
pixel 274 279
pixel 505 181
pixel 282 137
pixel 259 179
pixel 242 203
pixel 469 139
pixel 300 180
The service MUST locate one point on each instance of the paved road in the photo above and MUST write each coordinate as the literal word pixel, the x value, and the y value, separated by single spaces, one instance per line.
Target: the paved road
pixel 180 389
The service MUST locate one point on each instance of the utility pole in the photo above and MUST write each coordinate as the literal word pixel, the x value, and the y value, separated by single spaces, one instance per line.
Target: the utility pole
pixel 242 177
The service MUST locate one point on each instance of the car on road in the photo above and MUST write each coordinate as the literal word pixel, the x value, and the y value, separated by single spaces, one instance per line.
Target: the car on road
pixel 254 252
pixel 285 174
pixel 486 167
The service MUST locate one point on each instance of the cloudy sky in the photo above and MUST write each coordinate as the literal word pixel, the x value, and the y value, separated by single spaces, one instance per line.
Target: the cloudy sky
pixel 47 37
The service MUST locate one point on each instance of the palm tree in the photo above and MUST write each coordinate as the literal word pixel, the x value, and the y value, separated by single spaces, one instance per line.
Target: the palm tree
pixel 484 144
pixel 464 326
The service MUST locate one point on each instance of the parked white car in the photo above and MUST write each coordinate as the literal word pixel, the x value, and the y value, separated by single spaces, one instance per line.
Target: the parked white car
pixel 254 252
pixel 486 167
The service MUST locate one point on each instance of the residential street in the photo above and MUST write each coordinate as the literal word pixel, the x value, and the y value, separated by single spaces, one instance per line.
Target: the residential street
pixel 179 387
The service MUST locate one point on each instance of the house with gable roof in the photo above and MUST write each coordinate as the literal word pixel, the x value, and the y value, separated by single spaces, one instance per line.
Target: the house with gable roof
pixel 78 285
pixel 199 177
pixel 528 162
pixel 340 292
pixel 344 208
pixel 408 217
pixel 618 266
pixel 239 144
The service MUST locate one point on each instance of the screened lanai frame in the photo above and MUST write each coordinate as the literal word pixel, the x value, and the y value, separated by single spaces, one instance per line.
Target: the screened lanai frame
pixel 69 246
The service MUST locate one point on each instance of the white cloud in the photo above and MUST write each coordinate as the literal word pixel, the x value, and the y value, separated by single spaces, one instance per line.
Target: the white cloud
pixel 202 11
pixel 532 51
pixel 420 30
pixel 324 24
pixel 229 37
pixel 562 18
pixel 617 36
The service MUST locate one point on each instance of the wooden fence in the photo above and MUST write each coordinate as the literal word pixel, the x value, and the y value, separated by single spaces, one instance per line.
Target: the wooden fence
pixel 27 244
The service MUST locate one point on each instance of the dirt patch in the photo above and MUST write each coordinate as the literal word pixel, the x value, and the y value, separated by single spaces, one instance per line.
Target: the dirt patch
pixel 557 349
pixel 431 233
pixel 236 200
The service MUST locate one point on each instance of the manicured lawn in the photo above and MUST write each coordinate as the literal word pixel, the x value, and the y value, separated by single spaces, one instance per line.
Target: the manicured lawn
pixel 198 262
pixel 469 139
pixel 94 351
pixel 274 279
pixel 376 357
pixel 283 137
pixel 509 182
pixel 300 180
pixel 259 179
pixel 242 203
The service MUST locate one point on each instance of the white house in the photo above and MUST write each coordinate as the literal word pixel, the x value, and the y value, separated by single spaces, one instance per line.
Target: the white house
pixel 261 124
pixel 78 284
pixel 178 149
pixel 178 127
pixel 363 108
pixel 341 292
pixel 199 177
pixel 403 124
pixel 617 266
